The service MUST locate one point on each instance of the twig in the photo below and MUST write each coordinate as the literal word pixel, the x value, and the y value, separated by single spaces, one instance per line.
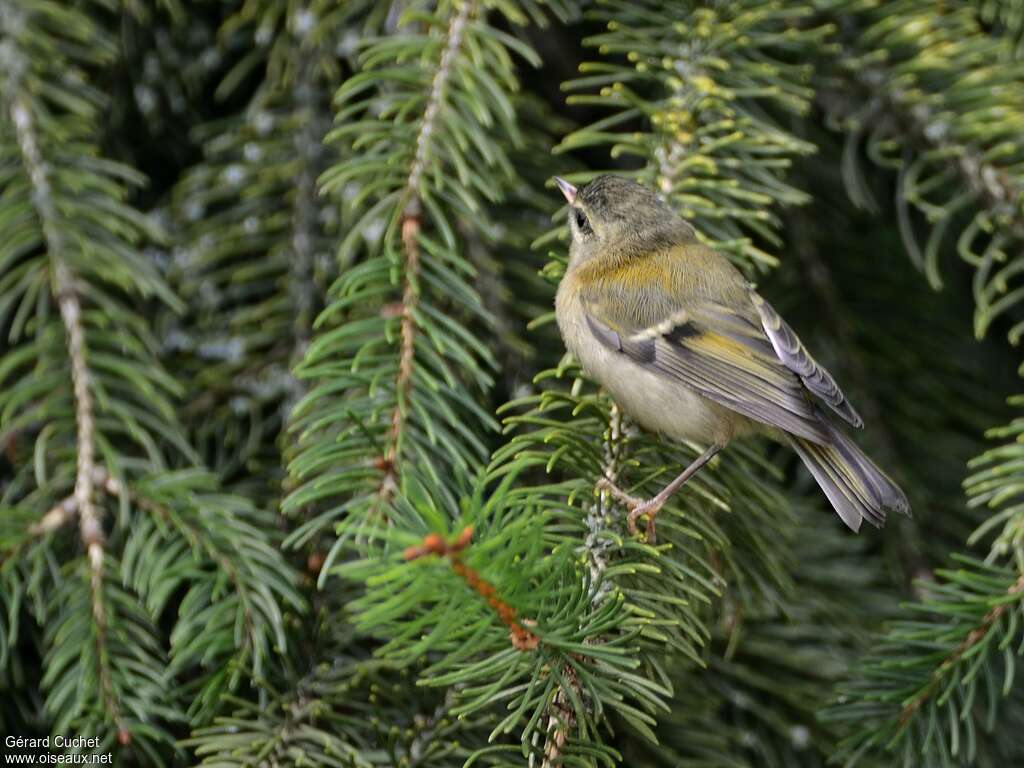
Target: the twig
pixel 433 544
pixel 65 291
pixel 60 514
pixel 561 717
pixel 974 637
pixel 410 229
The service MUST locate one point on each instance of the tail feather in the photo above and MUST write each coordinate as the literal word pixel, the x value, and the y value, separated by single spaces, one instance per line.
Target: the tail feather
pixel 856 487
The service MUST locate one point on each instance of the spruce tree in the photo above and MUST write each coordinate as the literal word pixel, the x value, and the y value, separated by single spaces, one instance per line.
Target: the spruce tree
pixel 295 468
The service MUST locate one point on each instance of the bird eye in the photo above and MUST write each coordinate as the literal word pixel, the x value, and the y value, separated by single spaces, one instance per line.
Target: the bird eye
pixel 581 220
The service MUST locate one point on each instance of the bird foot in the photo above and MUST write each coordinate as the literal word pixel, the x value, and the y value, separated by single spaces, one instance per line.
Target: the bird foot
pixel 650 509
pixel 637 508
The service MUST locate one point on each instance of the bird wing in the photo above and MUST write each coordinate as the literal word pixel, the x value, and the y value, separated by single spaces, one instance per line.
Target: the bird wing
pixel 726 343
pixel 794 355
pixel 721 355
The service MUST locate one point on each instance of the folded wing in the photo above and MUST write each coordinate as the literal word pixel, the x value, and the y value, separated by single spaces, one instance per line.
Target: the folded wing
pixel 750 362
pixel 796 357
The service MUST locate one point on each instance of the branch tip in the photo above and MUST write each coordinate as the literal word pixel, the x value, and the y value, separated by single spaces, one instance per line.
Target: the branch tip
pixel 520 634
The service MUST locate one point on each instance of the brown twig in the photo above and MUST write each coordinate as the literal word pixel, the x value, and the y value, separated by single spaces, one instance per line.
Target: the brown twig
pixel 433 544
pixel 561 719
pixel 60 514
pixel 974 637
pixel 411 224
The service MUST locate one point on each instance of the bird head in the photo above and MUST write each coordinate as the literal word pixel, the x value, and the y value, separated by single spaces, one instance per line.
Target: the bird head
pixel 615 216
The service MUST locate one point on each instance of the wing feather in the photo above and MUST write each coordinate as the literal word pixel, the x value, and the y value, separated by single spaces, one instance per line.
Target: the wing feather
pixel 735 388
pixel 795 356
pixel 738 373
pixel 742 355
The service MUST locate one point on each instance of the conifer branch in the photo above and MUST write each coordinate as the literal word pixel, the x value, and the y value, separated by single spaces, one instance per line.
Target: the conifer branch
pixel 597 519
pixel 90 518
pixel 561 717
pixel 197 539
pixel 928 685
pixel 992 184
pixel 433 544
pixel 428 127
pixel 397 349
pixel 700 118
pixel 699 143
pixel 926 120
pixel 63 513
pixel 363 331
pixel 253 270
pixel 407 353
pixel 57 517
pixel 71 313
pixel 410 230
pixel 974 637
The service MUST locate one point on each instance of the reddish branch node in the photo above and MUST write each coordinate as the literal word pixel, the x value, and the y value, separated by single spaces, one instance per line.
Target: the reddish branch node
pixel 521 637
pixel 315 562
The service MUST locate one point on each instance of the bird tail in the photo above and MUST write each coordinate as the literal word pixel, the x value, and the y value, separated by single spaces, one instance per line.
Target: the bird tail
pixel 857 488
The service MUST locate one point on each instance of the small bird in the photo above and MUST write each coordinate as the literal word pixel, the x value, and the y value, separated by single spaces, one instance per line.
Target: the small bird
pixel 686 347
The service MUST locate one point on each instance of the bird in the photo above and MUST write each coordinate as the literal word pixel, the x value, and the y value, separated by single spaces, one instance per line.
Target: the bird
pixel 687 347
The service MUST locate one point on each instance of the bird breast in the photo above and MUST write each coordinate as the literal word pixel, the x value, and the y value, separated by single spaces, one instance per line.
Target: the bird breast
pixel 653 400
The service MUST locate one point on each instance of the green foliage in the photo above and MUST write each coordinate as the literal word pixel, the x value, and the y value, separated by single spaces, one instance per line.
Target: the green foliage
pixel 878 325
pixel 385 721
pixel 397 352
pixel 132 678
pixel 254 255
pixel 705 85
pixel 63 202
pixel 944 114
pixel 324 327
pixel 1005 17
pixel 86 400
pixel 956 665
pixel 934 687
pixel 756 702
pixel 230 618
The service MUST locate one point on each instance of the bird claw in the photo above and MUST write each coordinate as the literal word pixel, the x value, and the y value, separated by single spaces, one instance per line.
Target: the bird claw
pixel 649 508
pixel 637 508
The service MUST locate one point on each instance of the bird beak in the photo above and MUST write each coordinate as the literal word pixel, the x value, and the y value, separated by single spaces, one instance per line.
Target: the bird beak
pixel 567 189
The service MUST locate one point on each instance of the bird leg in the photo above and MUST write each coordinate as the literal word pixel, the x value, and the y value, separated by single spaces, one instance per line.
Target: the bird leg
pixel 639 508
